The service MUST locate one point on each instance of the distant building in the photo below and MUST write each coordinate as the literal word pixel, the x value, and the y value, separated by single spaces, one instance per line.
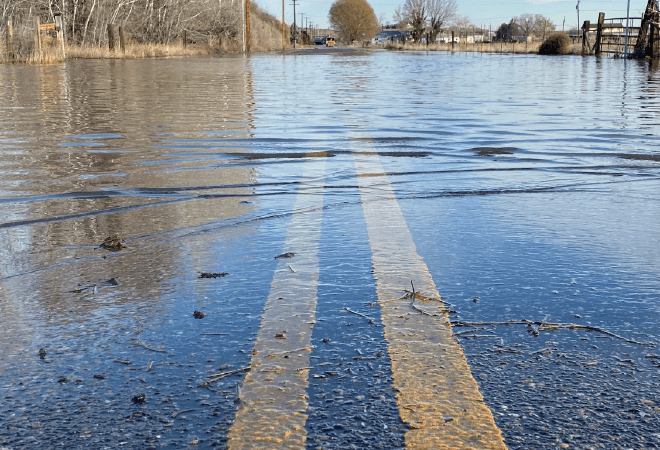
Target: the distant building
pixel 390 35
pixel 523 38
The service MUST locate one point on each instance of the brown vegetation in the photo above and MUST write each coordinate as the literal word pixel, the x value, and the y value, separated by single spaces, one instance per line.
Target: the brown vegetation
pixel 353 19
pixel 556 44
pixel 266 35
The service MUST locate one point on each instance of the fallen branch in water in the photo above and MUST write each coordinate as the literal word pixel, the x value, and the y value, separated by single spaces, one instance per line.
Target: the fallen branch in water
pixel 424 298
pixel 217 376
pixel 414 295
pixel 176 413
pixel 370 319
pixel 142 344
pixel 469 331
pixel 546 326
pixel 308 349
pixel 476 336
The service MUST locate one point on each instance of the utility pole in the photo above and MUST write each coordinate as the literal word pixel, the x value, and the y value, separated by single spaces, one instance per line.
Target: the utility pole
pixel 578 12
pixel 563 23
pixel 294 24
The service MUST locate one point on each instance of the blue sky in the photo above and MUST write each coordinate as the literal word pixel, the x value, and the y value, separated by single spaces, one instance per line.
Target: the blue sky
pixel 486 12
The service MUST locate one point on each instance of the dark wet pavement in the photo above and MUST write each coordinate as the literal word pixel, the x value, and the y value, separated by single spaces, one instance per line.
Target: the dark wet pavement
pixel 529 186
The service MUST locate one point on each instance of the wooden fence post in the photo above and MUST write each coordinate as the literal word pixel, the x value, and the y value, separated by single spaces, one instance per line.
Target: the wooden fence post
pixel 452 40
pixel 10 37
pixel 122 40
pixel 599 33
pixel 585 36
pixel 37 36
pixel 111 37
pixel 654 38
pixel 184 40
pixel 59 27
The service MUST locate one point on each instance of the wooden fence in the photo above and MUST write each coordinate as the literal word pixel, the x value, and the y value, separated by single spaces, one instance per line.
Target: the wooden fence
pixel 55 29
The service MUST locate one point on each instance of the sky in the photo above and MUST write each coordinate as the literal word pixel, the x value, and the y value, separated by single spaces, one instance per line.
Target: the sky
pixel 480 12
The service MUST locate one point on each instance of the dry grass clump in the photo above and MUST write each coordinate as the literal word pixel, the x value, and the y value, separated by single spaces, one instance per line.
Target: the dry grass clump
pixel 556 44
pixel 266 30
pixel 135 50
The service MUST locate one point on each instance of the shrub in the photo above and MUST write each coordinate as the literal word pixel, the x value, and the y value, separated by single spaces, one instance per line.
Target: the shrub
pixel 556 44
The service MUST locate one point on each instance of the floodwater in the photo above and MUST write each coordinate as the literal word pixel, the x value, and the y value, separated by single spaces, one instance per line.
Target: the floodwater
pixel 518 187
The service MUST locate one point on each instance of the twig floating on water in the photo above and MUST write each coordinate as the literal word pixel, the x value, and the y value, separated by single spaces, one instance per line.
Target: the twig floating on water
pixel 546 326
pixel 303 349
pixel 212 275
pixel 149 364
pixel 176 413
pixel 541 350
pixel 285 255
pixel 142 344
pixel 469 331
pixel 123 361
pixel 217 376
pixel 476 336
pixel 370 319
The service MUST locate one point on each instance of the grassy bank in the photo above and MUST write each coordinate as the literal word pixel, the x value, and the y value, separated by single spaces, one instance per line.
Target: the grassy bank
pixel 495 47
pixel 266 35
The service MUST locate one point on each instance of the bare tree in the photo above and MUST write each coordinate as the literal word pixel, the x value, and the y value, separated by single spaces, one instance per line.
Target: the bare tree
pixel 414 14
pixel 439 13
pixel 527 24
pixel 382 17
pixel 400 18
pixel 462 24
pixel 353 19
pixel 543 26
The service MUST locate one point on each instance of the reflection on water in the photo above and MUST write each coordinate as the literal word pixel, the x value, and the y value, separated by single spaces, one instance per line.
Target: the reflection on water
pixel 81 158
pixel 196 163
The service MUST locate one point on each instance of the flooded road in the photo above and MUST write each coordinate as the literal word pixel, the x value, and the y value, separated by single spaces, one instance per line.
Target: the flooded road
pixel 367 223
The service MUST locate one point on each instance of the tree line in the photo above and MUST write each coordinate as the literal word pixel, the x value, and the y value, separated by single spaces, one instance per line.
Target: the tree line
pixel 355 20
pixel 152 21
pixel 525 25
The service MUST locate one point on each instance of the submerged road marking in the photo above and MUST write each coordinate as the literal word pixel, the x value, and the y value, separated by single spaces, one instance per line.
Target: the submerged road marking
pixel 273 408
pixel 437 396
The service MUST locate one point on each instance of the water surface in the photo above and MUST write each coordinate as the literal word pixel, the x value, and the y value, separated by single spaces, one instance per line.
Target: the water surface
pixel 530 185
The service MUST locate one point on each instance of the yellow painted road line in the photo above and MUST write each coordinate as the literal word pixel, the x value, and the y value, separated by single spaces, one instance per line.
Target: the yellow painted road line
pixel 437 395
pixel 273 408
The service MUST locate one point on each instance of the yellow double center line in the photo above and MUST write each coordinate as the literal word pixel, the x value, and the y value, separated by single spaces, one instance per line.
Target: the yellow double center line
pixel 273 407
pixel 437 396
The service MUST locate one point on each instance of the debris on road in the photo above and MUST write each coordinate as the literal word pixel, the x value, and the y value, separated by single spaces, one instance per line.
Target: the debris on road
pixel 212 275
pixel 113 243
